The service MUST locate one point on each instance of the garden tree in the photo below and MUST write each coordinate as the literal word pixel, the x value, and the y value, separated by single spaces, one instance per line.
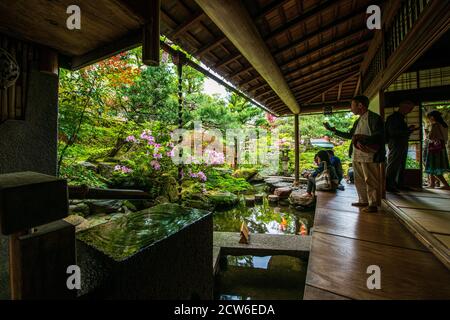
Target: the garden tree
pixel 78 93
pixel 245 112
pixel 232 113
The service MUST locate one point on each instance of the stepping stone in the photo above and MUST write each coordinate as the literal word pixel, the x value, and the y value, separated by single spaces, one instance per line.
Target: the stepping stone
pixel 273 198
pixel 250 201
pixel 283 193
pixel 259 198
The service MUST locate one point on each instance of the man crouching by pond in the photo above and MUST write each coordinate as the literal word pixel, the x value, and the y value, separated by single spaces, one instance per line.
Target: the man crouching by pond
pixel 367 152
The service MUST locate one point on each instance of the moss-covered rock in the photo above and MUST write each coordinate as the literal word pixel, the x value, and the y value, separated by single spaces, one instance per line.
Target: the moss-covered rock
pixel 223 199
pixel 245 173
pixel 169 188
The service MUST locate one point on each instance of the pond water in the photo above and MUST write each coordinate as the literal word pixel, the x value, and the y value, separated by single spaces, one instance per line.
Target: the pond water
pixel 261 278
pixel 269 277
pixel 263 218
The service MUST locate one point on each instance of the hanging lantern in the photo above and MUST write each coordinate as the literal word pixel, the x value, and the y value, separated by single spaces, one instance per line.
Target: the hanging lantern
pixel 9 69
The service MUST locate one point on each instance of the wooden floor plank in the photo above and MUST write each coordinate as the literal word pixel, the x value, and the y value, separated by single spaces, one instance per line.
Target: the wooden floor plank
pixel 339 265
pixel 432 221
pixel 337 206
pixel 380 228
pixel 312 293
pixel 428 193
pixel 427 203
pixel 445 239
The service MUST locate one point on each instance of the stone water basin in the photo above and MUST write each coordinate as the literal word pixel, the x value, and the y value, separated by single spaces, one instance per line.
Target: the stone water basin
pixel 163 252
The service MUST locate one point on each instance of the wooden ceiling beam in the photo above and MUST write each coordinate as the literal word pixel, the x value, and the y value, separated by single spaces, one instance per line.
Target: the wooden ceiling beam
pixel 334 42
pixel 249 80
pixel 272 99
pixel 325 29
pixel 325 5
pixel 352 63
pixel 210 46
pixel 228 60
pixel 259 86
pixel 274 6
pixel 186 25
pixel 358 85
pixel 266 93
pixel 240 72
pixel 329 61
pixel 235 22
pixel 323 84
pixel 332 54
pixel 330 88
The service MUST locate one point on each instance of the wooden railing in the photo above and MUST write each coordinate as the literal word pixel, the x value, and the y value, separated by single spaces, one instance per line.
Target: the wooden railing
pixel 84 192
pixel 408 13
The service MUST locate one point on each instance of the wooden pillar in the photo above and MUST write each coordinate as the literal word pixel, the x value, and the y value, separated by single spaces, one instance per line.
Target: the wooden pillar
pixel 297 151
pixel 48 61
pixel 151 32
pixel 179 60
pixel 382 174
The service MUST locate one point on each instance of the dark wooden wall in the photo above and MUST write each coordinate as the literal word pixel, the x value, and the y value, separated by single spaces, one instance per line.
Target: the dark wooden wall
pixel 13 99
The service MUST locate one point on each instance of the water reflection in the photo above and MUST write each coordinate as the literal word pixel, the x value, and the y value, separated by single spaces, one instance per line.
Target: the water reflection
pixel 263 218
pixel 258 278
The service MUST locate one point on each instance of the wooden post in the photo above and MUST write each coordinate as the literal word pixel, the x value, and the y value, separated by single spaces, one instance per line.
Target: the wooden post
pixel 151 32
pixel 48 61
pixel 296 151
pixel 33 262
pixel 179 60
pixel 382 174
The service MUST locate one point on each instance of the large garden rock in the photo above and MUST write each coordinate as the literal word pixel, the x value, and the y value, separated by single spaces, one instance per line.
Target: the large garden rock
pixel 282 184
pixel 106 169
pixel 246 174
pixel 105 206
pixel 272 180
pixel 273 198
pixel 256 178
pixel 283 193
pixel 169 188
pixel 298 199
pixel 88 165
pixel 81 209
pixel 223 199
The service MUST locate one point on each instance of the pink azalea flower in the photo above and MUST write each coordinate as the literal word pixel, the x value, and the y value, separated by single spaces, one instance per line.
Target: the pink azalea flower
pixel 131 139
pixel 155 164
pixel 157 155
pixel 201 176
pixel 171 153
pixel 122 169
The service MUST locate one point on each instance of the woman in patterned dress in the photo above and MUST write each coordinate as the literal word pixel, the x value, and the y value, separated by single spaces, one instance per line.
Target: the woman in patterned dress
pixel 437 158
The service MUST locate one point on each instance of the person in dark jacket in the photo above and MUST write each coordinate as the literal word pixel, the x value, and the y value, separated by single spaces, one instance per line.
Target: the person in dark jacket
pixel 367 152
pixel 337 164
pixel 321 158
pixel 397 136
